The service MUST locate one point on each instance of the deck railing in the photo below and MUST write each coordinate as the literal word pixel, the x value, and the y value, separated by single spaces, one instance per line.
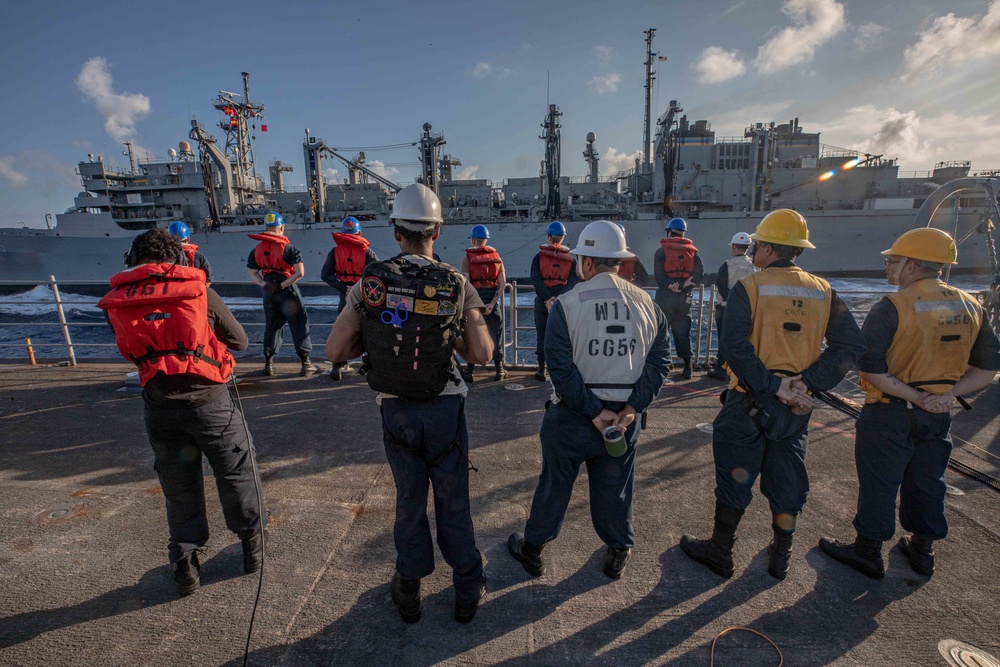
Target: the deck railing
pixel 518 336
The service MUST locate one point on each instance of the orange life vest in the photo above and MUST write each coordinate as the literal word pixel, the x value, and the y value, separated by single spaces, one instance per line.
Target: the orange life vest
pixel 484 266
pixel 160 315
pixel 627 270
pixel 555 264
pixel 349 256
pixel 269 254
pixel 678 257
pixel 189 250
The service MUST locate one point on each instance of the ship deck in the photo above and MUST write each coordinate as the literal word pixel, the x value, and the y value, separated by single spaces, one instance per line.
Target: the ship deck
pixel 84 580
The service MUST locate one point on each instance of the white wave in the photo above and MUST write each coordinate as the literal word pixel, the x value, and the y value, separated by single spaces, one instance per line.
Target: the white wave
pixel 40 300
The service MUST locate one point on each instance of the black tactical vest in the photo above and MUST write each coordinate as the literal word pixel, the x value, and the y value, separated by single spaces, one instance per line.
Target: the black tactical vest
pixel 411 317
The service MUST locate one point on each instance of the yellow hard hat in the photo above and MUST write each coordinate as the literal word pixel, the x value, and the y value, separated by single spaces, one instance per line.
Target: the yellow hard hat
pixel 927 244
pixel 783 227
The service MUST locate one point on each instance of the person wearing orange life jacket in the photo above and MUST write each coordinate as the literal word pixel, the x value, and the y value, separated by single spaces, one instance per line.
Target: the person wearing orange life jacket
pixel 484 269
pixel 731 272
pixel 179 333
pixel 344 266
pixel 553 271
pixel 928 343
pixel 776 322
pixel 194 257
pixel 275 265
pixel 677 268
pixel 632 269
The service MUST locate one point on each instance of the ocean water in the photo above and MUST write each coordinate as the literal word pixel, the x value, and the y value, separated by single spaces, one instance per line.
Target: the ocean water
pixel 33 314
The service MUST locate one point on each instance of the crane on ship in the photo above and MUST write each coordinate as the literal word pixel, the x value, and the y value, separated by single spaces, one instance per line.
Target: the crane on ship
pixel 665 146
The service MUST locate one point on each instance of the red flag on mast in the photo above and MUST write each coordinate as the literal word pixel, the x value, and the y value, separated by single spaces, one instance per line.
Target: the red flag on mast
pixel 263 128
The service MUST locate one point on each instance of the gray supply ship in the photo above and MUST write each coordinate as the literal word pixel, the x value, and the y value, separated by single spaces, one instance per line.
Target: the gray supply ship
pixel 856 203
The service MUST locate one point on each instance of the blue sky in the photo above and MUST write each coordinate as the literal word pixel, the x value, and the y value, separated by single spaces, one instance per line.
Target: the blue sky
pixel 905 78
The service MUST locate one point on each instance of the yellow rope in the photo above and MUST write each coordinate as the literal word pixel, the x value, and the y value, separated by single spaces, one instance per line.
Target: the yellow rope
pixel 781 658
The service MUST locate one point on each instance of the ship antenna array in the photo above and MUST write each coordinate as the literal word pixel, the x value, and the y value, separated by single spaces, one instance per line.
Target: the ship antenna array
pixel 241 117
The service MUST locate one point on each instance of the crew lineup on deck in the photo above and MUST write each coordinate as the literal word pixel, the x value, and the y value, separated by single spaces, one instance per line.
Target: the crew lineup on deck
pixel 603 344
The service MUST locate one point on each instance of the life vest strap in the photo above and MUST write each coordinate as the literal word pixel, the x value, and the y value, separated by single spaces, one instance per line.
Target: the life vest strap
pixel 180 352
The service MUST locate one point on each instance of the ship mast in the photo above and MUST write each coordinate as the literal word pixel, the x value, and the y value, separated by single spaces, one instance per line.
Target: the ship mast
pixel 552 168
pixel 649 98
pixel 240 114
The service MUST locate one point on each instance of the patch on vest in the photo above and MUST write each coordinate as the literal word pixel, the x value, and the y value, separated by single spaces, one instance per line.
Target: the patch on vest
pixel 373 291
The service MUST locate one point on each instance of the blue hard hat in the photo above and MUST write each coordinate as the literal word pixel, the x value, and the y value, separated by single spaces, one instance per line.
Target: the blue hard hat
pixel 479 232
pixel 677 224
pixel 555 228
pixel 180 230
pixel 274 220
pixel 350 225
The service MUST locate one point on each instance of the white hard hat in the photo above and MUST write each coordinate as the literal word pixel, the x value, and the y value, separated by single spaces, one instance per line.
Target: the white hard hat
pixel 417 203
pixel 741 238
pixel 601 238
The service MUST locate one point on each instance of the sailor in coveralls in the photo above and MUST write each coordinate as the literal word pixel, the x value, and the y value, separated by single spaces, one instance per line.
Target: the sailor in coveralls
pixel 425 441
pixel 553 271
pixel 928 343
pixel 607 351
pixel 776 321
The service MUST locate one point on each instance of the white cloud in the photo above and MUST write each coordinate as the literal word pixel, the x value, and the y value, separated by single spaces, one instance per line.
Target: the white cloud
pixel 613 161
pixel 484 69
pixel 605 83
pixel 468 173
pixel 716 65
pixel 867 34
pixel 379 168
pixel 8 173
pixel 50 169
pixel 604 54
pixel 120 110
pixel 733 7
pixel 331 176
pixel 814 23
pixel 952 40
pixel 733 122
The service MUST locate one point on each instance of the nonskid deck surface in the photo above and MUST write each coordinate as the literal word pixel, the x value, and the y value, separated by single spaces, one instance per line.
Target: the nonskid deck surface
pixel 83 550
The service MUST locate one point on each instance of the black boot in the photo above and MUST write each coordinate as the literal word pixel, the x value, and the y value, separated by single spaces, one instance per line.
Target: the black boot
pixel 920 552
pixel 864 555
pixel 308 368
pixel 501 371
pixel 527 554
pixel 615 562
pixel 406 595
pixel 337 372
pixel 686 373
pixel 718 373
pixel 540 373
pixel 187 574
pixel 268 365
pixel 467 373
pixel 779 552
pixel 253 552
pixel 716 553
pixel 465 612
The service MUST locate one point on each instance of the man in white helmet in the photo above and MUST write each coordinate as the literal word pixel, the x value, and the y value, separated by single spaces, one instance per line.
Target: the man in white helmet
pixel 607 352
pixel 409 315
pixel 731 272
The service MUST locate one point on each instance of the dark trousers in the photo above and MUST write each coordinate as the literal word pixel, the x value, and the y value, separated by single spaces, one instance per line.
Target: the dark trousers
pixel 904 451
pixel 742 453
pixel 720 312
pixel 677 310
pixel 341 304
pixel 568 441
pixel 494 323
pixel 426 442
pixel 541 319
pixel 179 437
pixel 286 306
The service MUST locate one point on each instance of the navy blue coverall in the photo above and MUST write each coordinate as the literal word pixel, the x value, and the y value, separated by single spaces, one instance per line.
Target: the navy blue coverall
pixel 741 451
pixel 569 439
pixel 677 305
pixel 285 306
pixel 902 449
